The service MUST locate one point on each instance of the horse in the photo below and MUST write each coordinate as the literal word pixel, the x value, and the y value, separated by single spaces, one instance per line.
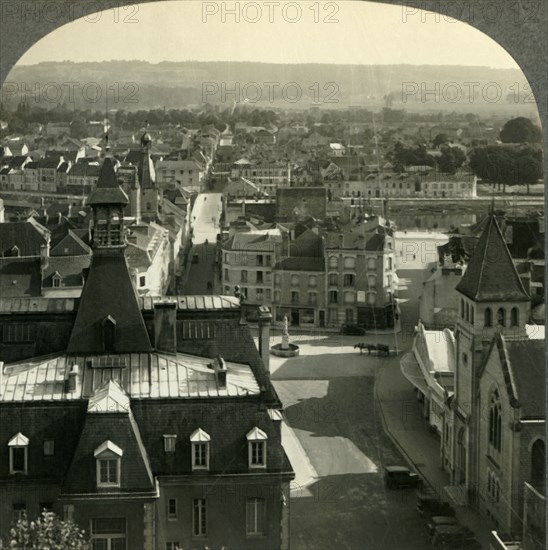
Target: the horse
pixel 362 345
pixel 381 348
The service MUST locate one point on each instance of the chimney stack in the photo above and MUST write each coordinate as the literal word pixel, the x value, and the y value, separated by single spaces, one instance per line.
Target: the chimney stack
pixel 73 379
pixel 165 326
pixel 265 319
pixel 221 371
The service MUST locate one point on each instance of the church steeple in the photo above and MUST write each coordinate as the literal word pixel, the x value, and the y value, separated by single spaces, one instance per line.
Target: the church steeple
pixel 491 274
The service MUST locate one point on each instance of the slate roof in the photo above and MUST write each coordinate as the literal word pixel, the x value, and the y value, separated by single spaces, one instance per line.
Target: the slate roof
pixel 122 429
pixel 24 235
pixel 108 291
pixel 70 268
pixel 491 274
pixel 108 191
pixel 48 422
pixel 371 241
pixel 19 277
pixel 49 162
pixel 524 366
pixel 65 242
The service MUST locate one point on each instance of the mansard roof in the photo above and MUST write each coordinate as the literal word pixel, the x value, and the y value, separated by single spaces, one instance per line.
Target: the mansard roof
pixel 491 274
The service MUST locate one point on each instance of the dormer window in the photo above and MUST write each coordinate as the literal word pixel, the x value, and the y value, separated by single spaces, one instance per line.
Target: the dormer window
pixel 108 458
pixel 256 440
pixel 109 333
pixel 56 280
pixel 18 450
pixel 200 449
pixel 169 443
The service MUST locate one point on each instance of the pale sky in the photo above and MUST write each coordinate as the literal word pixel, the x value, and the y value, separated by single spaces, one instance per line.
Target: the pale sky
pixel 361 33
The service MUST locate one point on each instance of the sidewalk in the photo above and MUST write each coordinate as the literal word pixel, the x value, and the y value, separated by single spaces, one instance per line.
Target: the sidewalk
pixel 305 474
pixel 402 421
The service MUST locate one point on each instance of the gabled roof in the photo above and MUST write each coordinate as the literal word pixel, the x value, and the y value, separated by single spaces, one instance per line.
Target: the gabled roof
pixel 524 368
pixel 111 398
pixel 491 274
pixel 25 235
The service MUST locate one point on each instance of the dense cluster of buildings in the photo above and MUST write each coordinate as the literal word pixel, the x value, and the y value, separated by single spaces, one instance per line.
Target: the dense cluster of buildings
pixel 151 423
pixel 316 278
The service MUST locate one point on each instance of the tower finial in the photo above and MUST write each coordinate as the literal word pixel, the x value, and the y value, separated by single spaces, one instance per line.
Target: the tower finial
pixel 106 125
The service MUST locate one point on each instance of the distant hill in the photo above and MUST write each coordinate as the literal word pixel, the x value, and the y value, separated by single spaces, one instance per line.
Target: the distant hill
pixel 135 85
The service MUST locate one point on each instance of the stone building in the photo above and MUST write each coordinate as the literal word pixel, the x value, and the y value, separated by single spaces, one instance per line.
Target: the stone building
pixel 151 423
pixel 494 424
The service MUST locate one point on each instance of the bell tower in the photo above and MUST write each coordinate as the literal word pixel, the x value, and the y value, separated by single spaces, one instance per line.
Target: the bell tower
pixel 109 316
pixel 491 299
pixel 108 201
pixel 150 198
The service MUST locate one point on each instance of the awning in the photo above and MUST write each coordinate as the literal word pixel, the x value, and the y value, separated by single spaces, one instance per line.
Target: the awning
pixel 411 369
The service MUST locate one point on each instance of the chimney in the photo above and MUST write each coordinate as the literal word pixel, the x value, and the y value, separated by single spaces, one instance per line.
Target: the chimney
pixel 165 327
pixel 219 366
pixel 72 379
pixel 265 319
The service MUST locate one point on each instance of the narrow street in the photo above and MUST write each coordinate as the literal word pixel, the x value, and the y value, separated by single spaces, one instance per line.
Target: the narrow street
pixel 202 273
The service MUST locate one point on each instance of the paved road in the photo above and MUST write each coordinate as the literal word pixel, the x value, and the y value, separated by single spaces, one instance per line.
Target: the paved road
pixel 204 273
pixel 202 276
pixel 328 393
pixel 205 217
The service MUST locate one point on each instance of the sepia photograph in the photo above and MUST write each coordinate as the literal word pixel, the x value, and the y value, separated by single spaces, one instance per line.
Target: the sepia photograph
pixel 272 275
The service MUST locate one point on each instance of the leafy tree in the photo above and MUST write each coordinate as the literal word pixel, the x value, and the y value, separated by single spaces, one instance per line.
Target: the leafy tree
pixel 78 128
pixel 451 159
pixel 520 130
pixel 46 532
pixel 440 139
pixel 410 156
pixel 503 165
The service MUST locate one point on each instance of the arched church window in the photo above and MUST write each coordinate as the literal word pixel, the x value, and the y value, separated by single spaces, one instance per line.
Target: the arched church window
pixel 501 317
pixel 495 421
pixel 514 317
pixel 488 321
pixel 538 465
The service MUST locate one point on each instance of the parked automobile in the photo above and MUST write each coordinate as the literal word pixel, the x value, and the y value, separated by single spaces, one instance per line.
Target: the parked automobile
pixel 399 477
pixel 455 537
pixel 435 521
pixel 430 505
pixel 352 330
